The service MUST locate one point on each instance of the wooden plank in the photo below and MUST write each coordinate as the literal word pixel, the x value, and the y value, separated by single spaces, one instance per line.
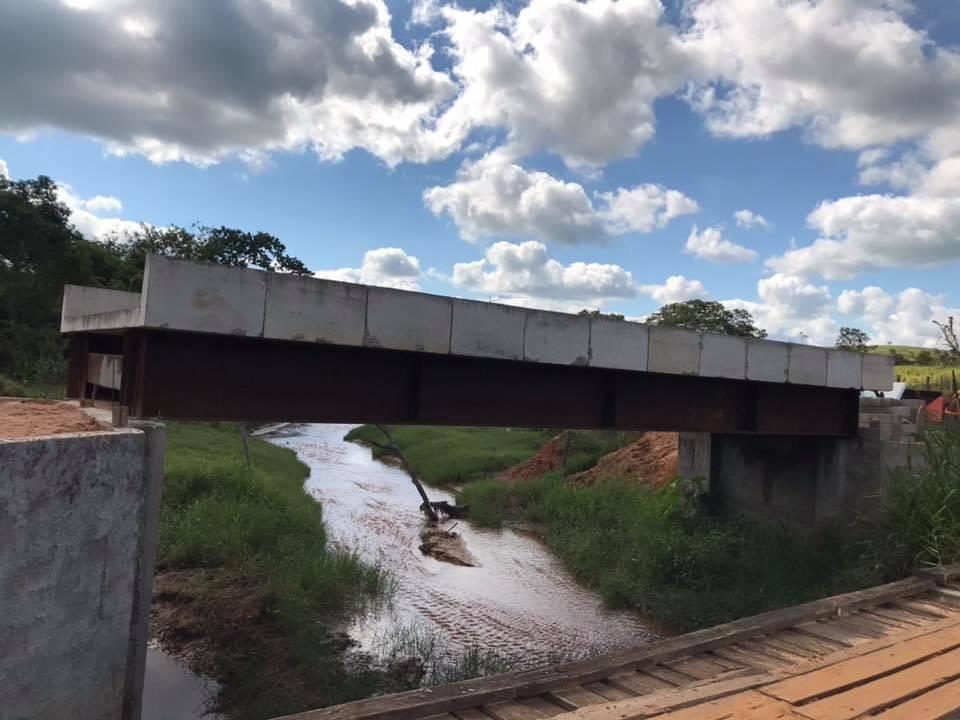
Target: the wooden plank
pixel 899 619
pixel 749 705
pixel 697 666
pixel 608 691
pixel 665 701
pixel 772 643
pixel 508 686
pixel 471 714
pixel 887 690
pixel 946 596
pixel 442 716
pixel 830 630
pixel 927 609
pixel 865 625
pixel 546 707
pixel 816 646
pixel 942 575
pixel 638 683
pixel 574 697
pixel 835 676
pixel 938 704
pixel 752 659
pixel 667 675
pixel 512 710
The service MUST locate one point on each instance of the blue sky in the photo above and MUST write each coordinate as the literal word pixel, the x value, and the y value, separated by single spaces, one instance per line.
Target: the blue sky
pixel 551 153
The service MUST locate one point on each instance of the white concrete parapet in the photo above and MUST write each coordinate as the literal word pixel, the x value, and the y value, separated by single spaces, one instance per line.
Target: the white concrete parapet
pixel 199 297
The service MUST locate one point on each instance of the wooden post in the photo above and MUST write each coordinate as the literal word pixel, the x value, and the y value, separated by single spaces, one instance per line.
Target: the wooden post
pixel 246 443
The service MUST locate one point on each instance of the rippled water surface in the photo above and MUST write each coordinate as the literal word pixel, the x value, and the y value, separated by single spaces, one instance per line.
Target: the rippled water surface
pixel 519 601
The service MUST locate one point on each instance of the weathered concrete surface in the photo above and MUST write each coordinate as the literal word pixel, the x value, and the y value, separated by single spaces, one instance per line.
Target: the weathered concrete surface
pixel 203 298
pixel 619 345
pixel 810 482
pixel 674 351
pixel 312 310
pixel 398 320
pixel 72 509
pixel 487 330
pixel 557 338
pixel 86 309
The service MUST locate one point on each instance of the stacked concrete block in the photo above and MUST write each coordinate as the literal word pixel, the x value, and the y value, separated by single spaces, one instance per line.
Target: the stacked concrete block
pixel 557 338
pixel 487 330
pixel 807 365
pixel 203 297
pixel 723 356
pixel 417 322
pixel 311 310
pixel 619 345
pixel 674 351
pixel 768 361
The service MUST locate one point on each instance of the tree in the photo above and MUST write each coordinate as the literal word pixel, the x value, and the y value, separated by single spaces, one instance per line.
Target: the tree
pixel 949 336
pixel 924 357
pixel 597 314
pixel 707 316
pixel 851 338
pixel 40 252
pixel 222 245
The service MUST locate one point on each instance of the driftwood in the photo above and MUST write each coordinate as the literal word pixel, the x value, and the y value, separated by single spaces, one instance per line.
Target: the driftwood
pixel 394 451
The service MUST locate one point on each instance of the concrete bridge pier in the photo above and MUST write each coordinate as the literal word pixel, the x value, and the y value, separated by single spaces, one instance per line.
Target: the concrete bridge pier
pixel 805 483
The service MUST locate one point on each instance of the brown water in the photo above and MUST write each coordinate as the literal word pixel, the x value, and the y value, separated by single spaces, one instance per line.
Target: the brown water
pixel 519 601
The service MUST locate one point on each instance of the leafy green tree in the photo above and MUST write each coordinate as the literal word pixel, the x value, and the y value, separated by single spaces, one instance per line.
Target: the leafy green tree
pixel 707 316
pixel 222 245
pixel 851 338
pixel 924 357
pixel 40 252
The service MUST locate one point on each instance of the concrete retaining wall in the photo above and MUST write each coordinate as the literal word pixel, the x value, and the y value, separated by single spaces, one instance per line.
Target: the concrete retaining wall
pixel 78 522
pixel 802 483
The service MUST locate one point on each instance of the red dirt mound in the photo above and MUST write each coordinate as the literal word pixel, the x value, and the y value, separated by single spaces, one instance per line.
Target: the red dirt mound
pixel 549 458
pixel 651 460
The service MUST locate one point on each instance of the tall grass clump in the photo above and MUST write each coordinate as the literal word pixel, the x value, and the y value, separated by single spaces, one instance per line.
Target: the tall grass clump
pixel 658 552
pixel 254 538
pixel 919 521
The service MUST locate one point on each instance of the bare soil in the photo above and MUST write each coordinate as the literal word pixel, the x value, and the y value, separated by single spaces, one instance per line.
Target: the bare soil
pixel 21 419
pixel 549 458
pixel 650 460
pixel 193 609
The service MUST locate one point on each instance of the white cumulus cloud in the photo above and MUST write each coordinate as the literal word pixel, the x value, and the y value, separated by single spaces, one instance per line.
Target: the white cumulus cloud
pixel 711 245
pixel 494 196
pixel 675 288
pixel 4 170
pixel 85 214
pixel 749 219
pixel 524 273
pixel 386 267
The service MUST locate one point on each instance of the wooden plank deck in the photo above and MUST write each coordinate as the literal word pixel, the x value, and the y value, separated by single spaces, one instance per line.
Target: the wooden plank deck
pixel 891 652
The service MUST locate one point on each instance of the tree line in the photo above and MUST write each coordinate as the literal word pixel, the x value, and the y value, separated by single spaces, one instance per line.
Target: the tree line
pixel 41 251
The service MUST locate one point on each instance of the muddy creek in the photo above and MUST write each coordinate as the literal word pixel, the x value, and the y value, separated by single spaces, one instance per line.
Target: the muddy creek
pixel 518 601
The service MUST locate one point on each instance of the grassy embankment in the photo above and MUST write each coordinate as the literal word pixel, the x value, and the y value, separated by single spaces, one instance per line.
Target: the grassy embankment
pixel 12 388
pixel 263 587
pixel 915 374
pixel 659 552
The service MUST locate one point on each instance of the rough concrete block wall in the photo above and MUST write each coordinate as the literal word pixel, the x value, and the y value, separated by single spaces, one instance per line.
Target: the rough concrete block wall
pixel 71 514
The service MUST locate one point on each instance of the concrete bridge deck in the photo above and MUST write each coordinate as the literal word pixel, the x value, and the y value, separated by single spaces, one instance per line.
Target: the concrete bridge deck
pixel 205 341
pixel 890 652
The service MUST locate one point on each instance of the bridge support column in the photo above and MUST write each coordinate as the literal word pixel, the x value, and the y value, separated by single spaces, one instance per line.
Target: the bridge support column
pixel 804 483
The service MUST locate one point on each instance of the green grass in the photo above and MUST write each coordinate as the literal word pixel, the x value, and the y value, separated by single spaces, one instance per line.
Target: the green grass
pixel 454 455
pixel 653 551
pixel 255 528
pixel 12 388
pixel 920 522
pixel 916 376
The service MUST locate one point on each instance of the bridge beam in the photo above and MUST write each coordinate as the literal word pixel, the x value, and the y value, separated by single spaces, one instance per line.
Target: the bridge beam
pixel 193 376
